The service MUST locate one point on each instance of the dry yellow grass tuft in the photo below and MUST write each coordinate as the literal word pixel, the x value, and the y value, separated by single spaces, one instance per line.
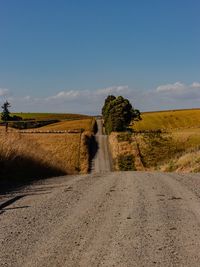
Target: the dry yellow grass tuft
pixel 188 162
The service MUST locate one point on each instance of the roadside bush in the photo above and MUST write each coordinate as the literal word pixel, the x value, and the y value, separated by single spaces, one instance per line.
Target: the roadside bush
pixel 16 118
pixel 30 124
pixel 126 163
pixel 124 137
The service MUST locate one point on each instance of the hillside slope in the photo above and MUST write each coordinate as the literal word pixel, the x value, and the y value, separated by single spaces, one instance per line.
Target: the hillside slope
pixel 169 120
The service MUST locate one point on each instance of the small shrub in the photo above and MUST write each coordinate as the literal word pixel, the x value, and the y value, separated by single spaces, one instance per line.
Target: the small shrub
pixel 171 166
pixel 124 137
pixel 16 118
pixel 126 163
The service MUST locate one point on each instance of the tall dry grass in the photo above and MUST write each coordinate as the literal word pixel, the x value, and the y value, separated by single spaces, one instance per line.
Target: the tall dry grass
pixel 155 151
pixel 64 148
pixel 25 156
pixel 21 159
pixel 187 162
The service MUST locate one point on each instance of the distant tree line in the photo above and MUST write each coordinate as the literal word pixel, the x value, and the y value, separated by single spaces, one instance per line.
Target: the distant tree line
pixel 118 114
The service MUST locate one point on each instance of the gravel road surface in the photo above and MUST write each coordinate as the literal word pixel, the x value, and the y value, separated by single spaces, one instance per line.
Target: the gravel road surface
pixel 102 161
pixel 111 219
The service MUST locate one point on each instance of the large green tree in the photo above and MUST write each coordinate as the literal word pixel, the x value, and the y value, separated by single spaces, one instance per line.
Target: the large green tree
pixel 118 113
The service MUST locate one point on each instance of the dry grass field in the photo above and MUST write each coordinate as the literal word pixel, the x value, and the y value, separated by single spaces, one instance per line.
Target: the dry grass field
pixel 32 155
pixel 64 148
pixel 169 120
pixel 85 124
pixel 176 150
pixel 21 157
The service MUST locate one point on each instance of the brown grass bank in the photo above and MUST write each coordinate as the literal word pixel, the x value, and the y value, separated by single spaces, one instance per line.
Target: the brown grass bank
pixel 22 160
pixel 27 156
pixel 125 152
pixel 155 151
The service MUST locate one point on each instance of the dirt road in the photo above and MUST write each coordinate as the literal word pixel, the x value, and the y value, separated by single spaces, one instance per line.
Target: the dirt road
pixel 111 219
pixel 102 161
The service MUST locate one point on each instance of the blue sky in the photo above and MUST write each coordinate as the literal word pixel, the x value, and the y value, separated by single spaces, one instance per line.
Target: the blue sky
pixel 66 56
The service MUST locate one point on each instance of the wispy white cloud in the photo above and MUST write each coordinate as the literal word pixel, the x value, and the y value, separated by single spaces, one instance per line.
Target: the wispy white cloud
pixel 176 87
pixel 180 90
pixel 74 101
pixel 86 94
pixel 4 92
pixel 195 85
pixel 64 95
pixel 166 96
pixel 85 101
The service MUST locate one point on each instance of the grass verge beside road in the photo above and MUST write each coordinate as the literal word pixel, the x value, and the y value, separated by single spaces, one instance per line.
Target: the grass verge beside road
pixel 26 156
pixel 163 140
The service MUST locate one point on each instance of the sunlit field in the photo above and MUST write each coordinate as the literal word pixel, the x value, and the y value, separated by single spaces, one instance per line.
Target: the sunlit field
pixel 85 124
pixel 50 116
pixel 182 150
pixel 25 155
pixel 169 120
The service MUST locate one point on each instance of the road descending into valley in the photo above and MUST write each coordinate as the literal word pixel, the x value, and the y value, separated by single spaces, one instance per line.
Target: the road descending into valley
pixel 104 218
pixel 102 161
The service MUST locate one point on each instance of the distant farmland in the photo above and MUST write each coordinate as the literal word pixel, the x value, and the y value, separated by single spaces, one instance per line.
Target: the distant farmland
pixel 169 120
pixel 84 124
pixel 50 116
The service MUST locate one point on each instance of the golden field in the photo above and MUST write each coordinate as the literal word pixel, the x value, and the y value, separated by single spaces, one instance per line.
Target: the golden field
pixel 21 157
pixel 169 120
pixel 85 124
pixel 183 125
pixel 29 155
pixel 64 148
pixel 175 148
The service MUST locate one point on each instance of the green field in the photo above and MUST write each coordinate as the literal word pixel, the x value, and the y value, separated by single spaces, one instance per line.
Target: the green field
pixel 169 120
pixel 50 116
